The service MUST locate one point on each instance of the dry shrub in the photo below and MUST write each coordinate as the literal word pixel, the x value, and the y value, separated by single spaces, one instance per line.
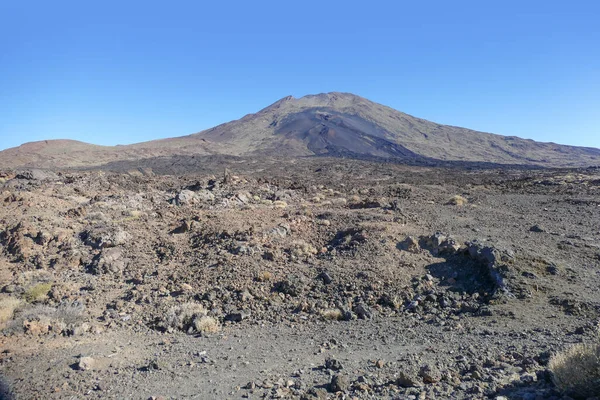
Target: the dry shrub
pixel 41 319
pixel 30 278
pixel 264 276
pixel 302 249
pixel 457 201
pixel 206 324
pixel 96 216
pixel 184 316
pixel 280 204
pixel 8 305
pixel 334 314
pixel 576 370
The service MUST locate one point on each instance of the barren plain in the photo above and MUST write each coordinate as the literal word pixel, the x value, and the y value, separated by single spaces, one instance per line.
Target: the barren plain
pixel 303 278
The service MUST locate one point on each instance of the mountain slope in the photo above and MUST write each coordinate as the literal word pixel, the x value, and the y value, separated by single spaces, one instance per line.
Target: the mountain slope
pixel 334 124
pixel 344 123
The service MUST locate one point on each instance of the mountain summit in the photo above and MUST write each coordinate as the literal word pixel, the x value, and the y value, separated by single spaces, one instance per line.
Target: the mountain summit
pixel 331 124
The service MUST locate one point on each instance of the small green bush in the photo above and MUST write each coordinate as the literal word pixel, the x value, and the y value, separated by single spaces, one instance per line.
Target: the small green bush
pixel 37 292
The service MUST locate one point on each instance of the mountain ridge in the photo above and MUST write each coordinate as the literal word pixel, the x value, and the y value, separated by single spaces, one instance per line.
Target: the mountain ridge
pixel 326 124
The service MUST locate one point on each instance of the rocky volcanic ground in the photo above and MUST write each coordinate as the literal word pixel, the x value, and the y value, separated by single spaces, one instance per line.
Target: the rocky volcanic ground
pixel 306 279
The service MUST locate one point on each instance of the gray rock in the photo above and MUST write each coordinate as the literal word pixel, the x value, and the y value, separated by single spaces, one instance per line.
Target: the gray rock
pixel 86 363
pixel 185 226
pixel 237 316
pixel 104 236
pixel 537 228
pixel 339 383
pixel 292 286
pixel 185 198
pixel 333 364
pixel 280 231
pixel 316 393
pixel 110 260
pixel 430 374
pixel 362 311
pixel 205 195
pixel 552 269
pixel 243 198
pixel 243 250
pixel 9 288
pixel 37 175
pixel 408 379
pixel 347 315
pixel 325 277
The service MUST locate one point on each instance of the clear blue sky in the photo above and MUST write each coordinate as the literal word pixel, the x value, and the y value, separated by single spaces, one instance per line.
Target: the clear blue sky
pixel 112 72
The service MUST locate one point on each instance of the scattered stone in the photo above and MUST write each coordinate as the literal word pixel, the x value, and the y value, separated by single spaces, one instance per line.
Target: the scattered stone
pixel 205 196
pixel 86 363
pixel 325 277
pixel 430 374
pixel 315 393
pixel 80 329
pixel 552 269
pixel 333 364
pixel 362 311
pixel 339 383
pixel 237 316
pixel 186 287
pixel 410 244
pixel 291 286
pixel 37 175
pixel 537 228
pixel 185 198
pixel 185 226
pixel 408 380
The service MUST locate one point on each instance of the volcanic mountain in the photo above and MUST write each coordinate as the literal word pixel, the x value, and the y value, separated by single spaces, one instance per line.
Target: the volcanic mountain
pixel 332 124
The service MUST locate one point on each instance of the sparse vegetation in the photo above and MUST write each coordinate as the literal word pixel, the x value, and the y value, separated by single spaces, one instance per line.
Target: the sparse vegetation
pixel 264 276
pixel 41 319
pixel 266 285
pixel 302 249
pixel 457 200
pixel 280 204
pixel 8 305
pixel 37 292
pixel 576 370
pixel 334 314
pixel 187 317
pixel 206 324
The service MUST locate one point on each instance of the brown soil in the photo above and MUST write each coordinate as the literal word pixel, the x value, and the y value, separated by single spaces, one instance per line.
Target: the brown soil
pixel 326 278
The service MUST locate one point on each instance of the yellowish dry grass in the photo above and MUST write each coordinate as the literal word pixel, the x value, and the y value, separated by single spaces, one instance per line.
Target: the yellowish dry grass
pixel 457 200
pixel 206 324
pixel 576 370
pixel 280 204
pixel 334 314
pixel 264 276
pixel 8 305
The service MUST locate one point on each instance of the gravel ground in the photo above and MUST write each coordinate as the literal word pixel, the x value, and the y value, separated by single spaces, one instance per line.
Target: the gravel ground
pixel 309 279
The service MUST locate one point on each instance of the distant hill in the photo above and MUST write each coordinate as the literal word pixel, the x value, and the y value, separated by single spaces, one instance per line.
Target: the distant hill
pixel 332 124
